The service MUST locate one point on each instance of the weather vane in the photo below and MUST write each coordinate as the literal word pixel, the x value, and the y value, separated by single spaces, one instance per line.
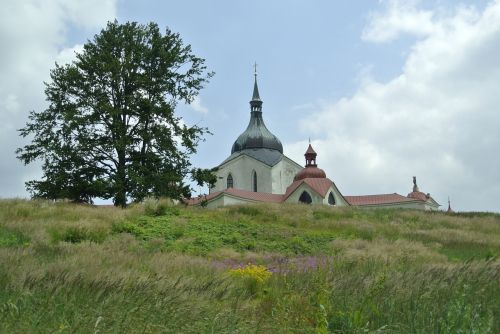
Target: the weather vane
pixel 255 69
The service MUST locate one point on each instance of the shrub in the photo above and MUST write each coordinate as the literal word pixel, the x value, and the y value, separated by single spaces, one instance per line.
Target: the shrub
pixel 12 238
pixel 159 207
pixel 77 234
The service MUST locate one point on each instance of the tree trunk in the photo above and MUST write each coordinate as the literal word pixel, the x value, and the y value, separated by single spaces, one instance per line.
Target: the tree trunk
pixel 121 190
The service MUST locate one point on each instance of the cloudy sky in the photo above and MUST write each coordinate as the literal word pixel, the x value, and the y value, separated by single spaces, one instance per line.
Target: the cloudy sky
pixel 385 89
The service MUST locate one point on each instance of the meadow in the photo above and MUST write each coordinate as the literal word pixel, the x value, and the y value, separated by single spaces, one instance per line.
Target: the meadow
pixel 164 268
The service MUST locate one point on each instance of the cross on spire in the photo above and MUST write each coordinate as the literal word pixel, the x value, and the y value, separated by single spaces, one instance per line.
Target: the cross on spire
pixel 256 102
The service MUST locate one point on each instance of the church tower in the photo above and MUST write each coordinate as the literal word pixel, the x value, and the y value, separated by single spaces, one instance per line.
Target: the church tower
pixel 257 162
pixel 256 135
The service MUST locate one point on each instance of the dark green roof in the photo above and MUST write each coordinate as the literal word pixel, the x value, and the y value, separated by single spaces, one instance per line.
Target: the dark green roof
pixel 255 95
pixel 256 134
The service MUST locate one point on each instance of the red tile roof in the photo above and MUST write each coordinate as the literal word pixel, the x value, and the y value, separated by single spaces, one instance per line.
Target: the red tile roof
pixel 418 195
pixel 197 200
pixel 245 194
pixel 310 172
pixel 378 199
pixel 321 186
pixel 310 150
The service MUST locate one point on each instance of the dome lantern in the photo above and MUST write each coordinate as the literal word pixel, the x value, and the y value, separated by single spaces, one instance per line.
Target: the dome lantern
pixel 311 169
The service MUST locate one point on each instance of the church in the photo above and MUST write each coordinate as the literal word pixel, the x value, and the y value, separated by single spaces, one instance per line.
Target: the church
pixel 258 171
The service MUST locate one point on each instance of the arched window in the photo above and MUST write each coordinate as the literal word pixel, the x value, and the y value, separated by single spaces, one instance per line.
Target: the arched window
pixel 305 198
pixel 229 181
pixel 254 181
pixel 331 199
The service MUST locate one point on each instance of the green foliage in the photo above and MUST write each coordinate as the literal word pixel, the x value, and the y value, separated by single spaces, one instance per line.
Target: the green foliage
pixel 159 207
pixel 364 272
pixel 463 251
pixel 199 235
pixel 12 238
pixel 204 176
pixel 76 234
pixel 110 130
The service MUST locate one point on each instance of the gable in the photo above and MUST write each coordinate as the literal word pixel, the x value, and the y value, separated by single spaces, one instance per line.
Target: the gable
pixel 264 155
pixel 319 188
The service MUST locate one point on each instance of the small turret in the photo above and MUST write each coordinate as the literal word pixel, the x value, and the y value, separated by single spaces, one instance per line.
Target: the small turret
pixel 310 157
pixel 311 170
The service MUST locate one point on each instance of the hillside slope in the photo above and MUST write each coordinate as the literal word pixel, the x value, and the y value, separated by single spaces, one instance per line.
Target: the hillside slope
pixel 246 269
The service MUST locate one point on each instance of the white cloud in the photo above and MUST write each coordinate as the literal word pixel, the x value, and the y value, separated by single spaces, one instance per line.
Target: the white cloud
pixel 68 55
pixel 33 36
pixel 399 17
pixel 197 106
pixel 437 120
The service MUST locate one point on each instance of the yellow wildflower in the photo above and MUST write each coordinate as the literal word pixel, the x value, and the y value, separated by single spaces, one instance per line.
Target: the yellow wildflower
pixel 257 272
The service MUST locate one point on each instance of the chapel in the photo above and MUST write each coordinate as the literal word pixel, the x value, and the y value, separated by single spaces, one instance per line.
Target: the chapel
pixel 257 170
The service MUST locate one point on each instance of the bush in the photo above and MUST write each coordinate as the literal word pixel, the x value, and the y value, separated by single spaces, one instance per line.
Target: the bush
pixel 159 207
pixel 12 238
pixel 77 234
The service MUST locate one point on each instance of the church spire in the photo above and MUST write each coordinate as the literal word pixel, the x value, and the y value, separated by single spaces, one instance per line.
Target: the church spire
pixel 450 210
pixel 256 102
pixel 256 135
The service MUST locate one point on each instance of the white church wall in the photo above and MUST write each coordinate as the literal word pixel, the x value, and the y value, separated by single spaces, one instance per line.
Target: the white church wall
pixel 282 174
pixel 241 170
pixel 339 200
pixel 431 206
pixel 226 199
pixel 216 202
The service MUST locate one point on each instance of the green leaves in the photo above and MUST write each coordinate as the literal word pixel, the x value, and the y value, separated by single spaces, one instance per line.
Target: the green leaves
pixel 110 130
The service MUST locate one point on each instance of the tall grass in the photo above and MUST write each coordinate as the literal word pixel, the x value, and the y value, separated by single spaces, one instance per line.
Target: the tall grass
pixel 159 268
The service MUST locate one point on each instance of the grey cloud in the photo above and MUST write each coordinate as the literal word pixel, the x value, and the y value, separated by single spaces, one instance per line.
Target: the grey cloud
pixel 29 51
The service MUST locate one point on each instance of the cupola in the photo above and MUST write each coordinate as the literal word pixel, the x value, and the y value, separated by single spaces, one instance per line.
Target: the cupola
pixel 256 134
pixel 311 169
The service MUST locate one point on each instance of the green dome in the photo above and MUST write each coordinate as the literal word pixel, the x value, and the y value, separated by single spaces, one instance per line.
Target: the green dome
pixel 256 134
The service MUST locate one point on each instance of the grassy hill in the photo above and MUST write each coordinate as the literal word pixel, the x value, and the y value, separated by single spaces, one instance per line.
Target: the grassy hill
pixel 246 269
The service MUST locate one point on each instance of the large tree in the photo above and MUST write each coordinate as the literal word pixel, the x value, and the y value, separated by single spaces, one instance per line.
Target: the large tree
pixel 110 129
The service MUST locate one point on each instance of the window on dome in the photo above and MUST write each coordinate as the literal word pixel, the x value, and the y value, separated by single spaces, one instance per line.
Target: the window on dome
pixel 331 199
pixel 254 181
pixel 305 198
pixel 229 181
